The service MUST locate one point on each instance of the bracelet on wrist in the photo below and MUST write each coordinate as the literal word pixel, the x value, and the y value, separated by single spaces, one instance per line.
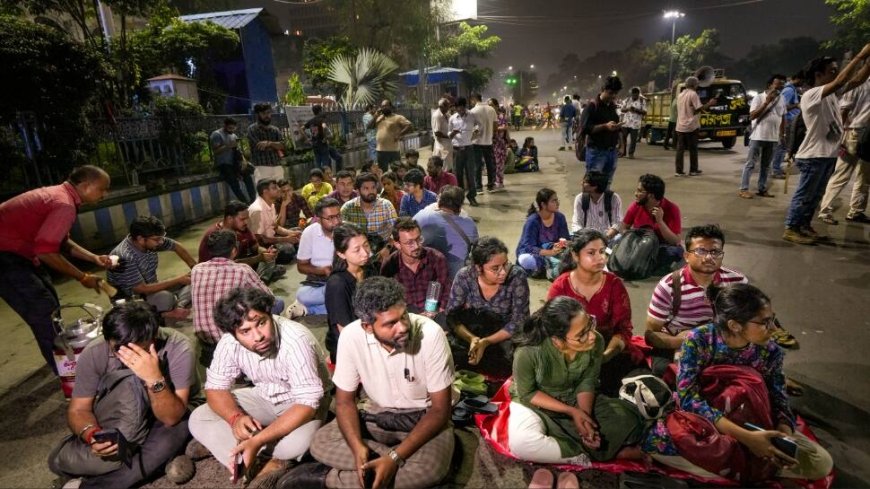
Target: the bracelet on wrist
pixel 235 418
pixel 84 277
pixel 87 433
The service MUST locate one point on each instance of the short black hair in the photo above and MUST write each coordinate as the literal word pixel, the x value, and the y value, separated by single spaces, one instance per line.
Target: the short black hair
pixel 476 96
pixel 315 172
pixel 262 107
pixel 406 224
pixel 392 176
pixel 376 295
pixel 85 173
pixel 436 161
pixel 485 248
pixel 316 109
pixel 653 184
pixel 412 152
pixel 612 83
pixel 231 309
pixel 264 183
pixel 775 76
pixel 709 231
pixel 451 197
pixel 363 178
pixel 461 102
pixel 817 65
pixel 284 181
pixel 229 121
pixel 344 174
pixel 414 176
pixel 233 208
pixel 221 243
pixel 131 322
pixel 147 226
pixel 597 179
pixel 325 203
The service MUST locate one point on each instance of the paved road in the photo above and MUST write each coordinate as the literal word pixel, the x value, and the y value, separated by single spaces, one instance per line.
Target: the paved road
pixel 819 292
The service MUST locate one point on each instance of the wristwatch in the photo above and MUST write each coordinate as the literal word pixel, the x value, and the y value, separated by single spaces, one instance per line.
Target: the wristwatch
pixel 399 461
pixel 157 386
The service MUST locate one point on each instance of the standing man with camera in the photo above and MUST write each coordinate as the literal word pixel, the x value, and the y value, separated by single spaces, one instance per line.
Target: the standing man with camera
pixel 767 113
pixel 689 108
pixel 390 129
pixel 230 162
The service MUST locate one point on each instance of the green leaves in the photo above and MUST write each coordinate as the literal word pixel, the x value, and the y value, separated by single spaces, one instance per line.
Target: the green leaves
pixel 368 76
pixel 852 19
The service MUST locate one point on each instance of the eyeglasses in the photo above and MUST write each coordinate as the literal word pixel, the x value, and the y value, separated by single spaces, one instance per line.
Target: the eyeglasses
pixel 501 268
pixel 331 218
pixel 769 323
pixel 702 253
pixel 413 243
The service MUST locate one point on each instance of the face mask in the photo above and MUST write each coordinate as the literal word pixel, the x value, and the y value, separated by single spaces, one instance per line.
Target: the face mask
pixel 387 111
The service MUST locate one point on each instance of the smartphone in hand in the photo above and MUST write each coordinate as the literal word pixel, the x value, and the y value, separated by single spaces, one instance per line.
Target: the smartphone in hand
pixel 784 444
pixel 238 468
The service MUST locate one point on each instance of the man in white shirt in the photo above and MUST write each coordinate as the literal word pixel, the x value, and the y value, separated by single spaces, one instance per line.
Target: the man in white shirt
pixel 463 128
pixel 818 152
pixel 633 110
pixel 767 113
pixel 287 404
pixel 486 125
pixel 440 131
pixel 596 207
pixel 403 362
pixel 316 252
pixel 855 108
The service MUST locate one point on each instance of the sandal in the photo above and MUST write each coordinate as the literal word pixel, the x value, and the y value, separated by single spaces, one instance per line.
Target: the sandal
pixel 785 339
pixel 744 194
pixel 829 220
pixel 541 479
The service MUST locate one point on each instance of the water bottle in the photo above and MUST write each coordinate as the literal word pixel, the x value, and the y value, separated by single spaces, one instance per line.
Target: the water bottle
pixel 432 295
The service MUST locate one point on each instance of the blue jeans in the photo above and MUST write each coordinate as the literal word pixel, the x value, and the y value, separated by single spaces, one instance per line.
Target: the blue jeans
pixel 781 150
pixel 601 160
pixel 372 149
pixel 313 298
pixel 758 151
pixel 324 155
pixel 567 126
pixel 815 173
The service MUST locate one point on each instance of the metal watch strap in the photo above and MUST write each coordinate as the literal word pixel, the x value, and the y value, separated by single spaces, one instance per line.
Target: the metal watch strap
pixel 399 461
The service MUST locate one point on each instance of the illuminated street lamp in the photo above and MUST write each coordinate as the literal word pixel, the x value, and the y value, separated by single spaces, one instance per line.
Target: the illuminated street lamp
pixel 673 15
pixel 532 67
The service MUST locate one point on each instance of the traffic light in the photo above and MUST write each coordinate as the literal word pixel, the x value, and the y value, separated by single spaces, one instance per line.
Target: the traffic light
pixel 511 80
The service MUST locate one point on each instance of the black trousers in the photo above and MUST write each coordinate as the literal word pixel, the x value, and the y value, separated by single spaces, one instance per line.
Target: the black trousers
pixel 464 164
pixel 687 140
pixel 669 134
pixel 483 156
pixel 29 292
pixel 231 177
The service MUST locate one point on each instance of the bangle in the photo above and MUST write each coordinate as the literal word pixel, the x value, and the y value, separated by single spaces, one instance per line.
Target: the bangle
pixel 84 277
pixel 235 418
pixel 88 439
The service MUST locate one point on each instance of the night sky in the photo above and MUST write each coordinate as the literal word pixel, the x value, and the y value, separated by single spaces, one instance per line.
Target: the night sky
pixel 541 32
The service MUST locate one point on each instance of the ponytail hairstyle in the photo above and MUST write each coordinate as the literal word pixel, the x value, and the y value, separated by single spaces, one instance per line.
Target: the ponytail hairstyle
pixel 582 238
pixel 341 236
pixel 736 302
pixel 541 198
pixel 553 320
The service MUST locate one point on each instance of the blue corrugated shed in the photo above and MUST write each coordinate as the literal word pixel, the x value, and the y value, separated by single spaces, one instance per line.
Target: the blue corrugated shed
pixel 235 19
pixel 434 75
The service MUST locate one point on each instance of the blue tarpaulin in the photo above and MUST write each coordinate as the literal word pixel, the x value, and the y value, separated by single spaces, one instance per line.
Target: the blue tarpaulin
pixel 433 76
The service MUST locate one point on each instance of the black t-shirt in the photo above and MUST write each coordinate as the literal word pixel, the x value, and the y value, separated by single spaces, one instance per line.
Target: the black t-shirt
pixel 318 133
pixel 598 112
pixel 340 287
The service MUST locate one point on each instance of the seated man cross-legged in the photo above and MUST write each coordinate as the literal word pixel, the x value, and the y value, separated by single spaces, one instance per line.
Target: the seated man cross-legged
pixel 279 415
pixel 404 364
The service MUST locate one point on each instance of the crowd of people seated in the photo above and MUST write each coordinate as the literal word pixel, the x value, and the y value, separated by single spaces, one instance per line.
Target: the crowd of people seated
pixel 411 293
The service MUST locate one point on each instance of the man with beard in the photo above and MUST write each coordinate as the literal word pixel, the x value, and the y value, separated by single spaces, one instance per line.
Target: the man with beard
pixel 136 273
pixel 404 364
pixel 442 146
pixel 267 144
pixel 225 148
pixel 371 213
pixel 600 122
pixel 316 252
pixel 651 209
pixel 415 266
pixel 391 127
pixel 250 253
pixel 279 415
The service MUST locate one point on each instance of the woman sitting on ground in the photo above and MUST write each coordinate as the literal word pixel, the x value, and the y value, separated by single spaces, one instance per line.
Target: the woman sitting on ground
pixel 603 295
pixel 350 266
pixel 545 226
pixel 488 301
pixel 528 156
pixel 555 415
pixel 740 335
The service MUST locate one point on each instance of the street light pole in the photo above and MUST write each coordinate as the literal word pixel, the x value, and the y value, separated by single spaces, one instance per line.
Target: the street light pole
pixel 674 15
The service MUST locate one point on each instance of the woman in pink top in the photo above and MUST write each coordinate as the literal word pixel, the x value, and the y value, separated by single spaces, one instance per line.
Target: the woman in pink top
pixel 603 295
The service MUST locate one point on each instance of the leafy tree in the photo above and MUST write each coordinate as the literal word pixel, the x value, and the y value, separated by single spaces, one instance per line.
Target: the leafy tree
pixel 786 57
pixel 469 42
pixel 852 18
pixel 317 60
pixel 56 79
pixel 367 77
pixel 690 53
pixel 295 95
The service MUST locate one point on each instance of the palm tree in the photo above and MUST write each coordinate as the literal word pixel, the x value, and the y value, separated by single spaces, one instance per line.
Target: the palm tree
pixel 368 76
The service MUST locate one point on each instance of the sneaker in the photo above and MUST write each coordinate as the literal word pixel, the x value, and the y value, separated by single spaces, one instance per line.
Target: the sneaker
pixel 795 236
pixel 307 475
pixel 180 469
pixel 828 219
pixel 809 231
pixel 744 194
pixel 473 202
pixel 695 173
pixel 765 193
pixel 269 475
pixel 196 450
pixel 679 174
pixel 858 217
pixel 295 310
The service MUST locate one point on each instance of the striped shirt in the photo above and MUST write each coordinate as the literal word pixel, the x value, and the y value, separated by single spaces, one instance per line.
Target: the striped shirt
pixel 695 309
pixel 597 219
pixel 296 374
pixel 209 281
pixel 135 266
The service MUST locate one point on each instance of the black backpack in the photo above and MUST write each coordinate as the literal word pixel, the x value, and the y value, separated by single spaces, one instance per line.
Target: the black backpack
pixel 635 255
pixel 585 200
pixel 798 133
pixel 863 147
